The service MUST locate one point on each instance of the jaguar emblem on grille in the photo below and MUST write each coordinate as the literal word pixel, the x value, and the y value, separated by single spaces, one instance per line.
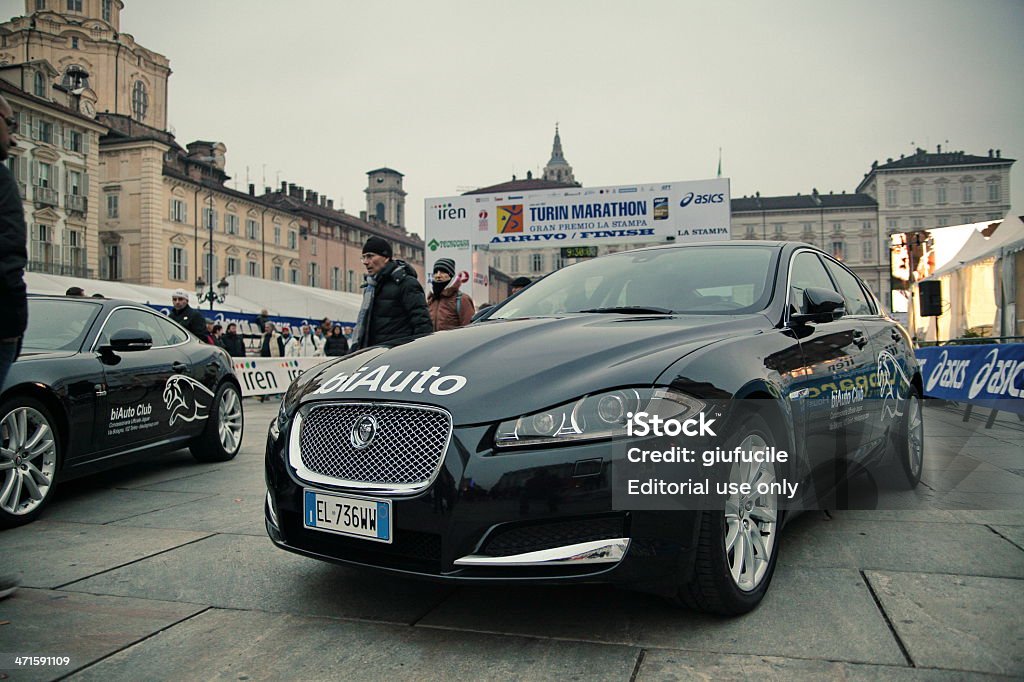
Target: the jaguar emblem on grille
pixel 363 431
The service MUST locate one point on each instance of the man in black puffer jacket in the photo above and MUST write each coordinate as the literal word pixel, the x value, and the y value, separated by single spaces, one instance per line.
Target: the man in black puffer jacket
pixel 394 306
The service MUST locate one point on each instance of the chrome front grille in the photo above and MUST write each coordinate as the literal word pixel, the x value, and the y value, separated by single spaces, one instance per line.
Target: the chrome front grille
pixel 404 455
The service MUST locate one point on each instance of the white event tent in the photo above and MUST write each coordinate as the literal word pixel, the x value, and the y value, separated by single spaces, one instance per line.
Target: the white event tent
pixel 979 285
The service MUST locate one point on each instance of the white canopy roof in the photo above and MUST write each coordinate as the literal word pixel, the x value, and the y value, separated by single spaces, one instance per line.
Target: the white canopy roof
pixel 1009 235
pixel 245 294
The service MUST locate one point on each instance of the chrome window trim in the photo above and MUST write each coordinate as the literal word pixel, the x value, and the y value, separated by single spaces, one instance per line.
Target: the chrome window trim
pixel 295 451
pixel 103 326
pixel 860 283
pixel 789 281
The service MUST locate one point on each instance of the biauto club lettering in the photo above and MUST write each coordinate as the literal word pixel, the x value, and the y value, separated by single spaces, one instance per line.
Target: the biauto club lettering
pixel 378 380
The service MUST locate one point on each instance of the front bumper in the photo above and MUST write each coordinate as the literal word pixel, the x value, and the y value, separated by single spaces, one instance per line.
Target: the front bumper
pixel 532 516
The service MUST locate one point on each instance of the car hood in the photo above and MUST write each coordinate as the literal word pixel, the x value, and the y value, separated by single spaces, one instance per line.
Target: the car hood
pixel 499 369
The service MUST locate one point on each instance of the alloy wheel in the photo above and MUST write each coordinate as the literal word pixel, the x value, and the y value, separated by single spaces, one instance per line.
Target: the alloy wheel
pixel 28 460
pixel 915 436
pixel 750 520
pixel 230 420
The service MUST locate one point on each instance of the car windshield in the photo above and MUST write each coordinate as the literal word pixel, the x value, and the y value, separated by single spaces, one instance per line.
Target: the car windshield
pixel 58 325
pixel 695 280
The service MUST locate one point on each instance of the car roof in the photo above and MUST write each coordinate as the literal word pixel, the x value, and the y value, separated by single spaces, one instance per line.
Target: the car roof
pixel 727 242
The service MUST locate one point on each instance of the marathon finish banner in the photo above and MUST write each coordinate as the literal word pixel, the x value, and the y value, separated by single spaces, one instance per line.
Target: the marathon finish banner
pixel 990 375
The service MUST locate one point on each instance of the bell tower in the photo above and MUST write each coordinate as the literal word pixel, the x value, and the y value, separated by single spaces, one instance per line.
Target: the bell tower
pixel 385 198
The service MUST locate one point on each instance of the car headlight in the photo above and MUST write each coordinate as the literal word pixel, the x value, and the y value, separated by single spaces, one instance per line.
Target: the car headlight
pixel 593 417
pixel 280 422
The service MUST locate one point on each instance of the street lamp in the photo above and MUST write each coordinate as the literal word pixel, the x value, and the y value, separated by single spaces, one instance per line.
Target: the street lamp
pixel 208 295
pixel 222 286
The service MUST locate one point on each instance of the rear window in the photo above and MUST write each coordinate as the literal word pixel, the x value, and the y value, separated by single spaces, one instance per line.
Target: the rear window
pixel 58 325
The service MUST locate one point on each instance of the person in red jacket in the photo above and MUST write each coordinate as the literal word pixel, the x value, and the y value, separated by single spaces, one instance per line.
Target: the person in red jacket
pixel 449 308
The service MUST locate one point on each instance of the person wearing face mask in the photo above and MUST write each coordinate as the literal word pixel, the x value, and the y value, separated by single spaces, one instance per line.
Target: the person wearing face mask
pixel 449 308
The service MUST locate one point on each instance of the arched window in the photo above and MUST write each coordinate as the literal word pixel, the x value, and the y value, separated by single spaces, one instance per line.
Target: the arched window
pixel 380 210
pixel 75 77
pixel 140 100
pixel 39 84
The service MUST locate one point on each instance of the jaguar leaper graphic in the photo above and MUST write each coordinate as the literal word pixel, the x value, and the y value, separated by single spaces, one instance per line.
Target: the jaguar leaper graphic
pixel 186 399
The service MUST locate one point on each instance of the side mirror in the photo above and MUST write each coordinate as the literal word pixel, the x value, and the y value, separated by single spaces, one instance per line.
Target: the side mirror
pixel 129 340
pixel 822 305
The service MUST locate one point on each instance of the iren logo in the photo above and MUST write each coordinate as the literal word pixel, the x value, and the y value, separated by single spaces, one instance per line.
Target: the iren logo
pixel 449 212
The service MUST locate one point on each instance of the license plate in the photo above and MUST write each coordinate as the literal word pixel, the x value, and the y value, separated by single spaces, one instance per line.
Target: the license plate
pixel 354 516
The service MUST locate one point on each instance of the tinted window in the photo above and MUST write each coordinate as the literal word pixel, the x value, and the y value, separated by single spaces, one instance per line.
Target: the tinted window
pixel 130 318
pixel 174 333
pixel 58 325
pixel 694 280
pixel 807 271
pixel 849 285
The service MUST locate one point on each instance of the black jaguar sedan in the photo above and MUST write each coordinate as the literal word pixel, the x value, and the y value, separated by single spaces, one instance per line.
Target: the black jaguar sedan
pixel 100 382
pixel 507 451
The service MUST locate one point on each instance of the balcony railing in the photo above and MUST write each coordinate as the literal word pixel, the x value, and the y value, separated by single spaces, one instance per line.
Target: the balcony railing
pixel 75 202
pixel 51 268
pixel 45 196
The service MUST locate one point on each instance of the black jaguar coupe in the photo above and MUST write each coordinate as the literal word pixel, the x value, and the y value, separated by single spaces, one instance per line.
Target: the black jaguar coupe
pixel 100 382
pixel 514 449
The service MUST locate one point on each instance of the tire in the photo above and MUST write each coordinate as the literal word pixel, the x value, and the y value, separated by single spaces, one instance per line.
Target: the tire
pixel 723 582
pixel 222 437
pixel 29 460
pixel 906 459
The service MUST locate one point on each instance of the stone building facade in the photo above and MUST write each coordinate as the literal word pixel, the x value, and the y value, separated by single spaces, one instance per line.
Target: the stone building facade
pixel 83 40
pixel 934 189
pixel 110 192
pixel 55 164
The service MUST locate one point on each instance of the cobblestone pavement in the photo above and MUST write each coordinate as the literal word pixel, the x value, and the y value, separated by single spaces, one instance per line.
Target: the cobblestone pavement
pixel 163 570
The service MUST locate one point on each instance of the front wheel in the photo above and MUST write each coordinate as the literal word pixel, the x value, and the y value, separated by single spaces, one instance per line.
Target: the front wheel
pixel 29 454
pixel 738 546
pixel 908 446
pixel 222 437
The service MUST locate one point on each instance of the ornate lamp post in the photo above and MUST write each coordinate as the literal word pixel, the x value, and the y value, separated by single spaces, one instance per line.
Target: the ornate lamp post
pixel 202 293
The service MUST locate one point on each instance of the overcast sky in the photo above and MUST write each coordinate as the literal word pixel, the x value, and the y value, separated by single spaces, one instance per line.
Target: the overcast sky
pixel 461 94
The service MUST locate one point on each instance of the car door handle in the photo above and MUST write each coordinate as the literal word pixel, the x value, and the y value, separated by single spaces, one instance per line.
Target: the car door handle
pixel 179 367
pixel 859 339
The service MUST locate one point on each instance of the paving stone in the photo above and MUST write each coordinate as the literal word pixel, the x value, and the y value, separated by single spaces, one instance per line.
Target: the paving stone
pixel 807 613
pixel 106 505
pixel 901 546
pixel 250 645
pixel 954 621
pixel 216 514
pixel 1003 517
pixel 83 627
pixel 235 477
pixel 1014 534
pixel 670 666
pixel 244 572
pixel 54 553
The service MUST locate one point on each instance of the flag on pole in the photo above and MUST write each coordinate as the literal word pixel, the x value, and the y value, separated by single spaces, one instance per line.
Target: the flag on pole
pixel 719 163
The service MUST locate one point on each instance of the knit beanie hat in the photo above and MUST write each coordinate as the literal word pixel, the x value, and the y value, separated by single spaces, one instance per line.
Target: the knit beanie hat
pixel 378 246
pixel 445 265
